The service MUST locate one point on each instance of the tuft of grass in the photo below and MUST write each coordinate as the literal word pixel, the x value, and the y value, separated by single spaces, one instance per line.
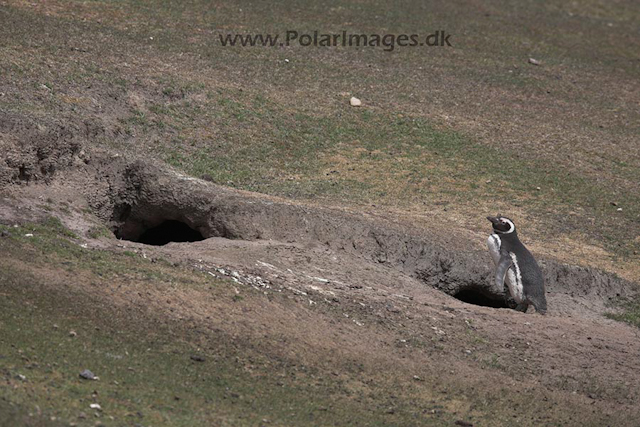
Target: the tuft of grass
pixel 493 362
pixel 51 243
pixel 99 231
pixel 630 311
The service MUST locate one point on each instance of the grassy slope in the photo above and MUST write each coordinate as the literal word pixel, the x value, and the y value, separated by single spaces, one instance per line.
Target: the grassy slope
pixel 146 372
pixel 426 137
pixel 142 356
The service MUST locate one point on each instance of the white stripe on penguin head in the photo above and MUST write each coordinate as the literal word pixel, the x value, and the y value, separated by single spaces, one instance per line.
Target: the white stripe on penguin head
pixel 512 226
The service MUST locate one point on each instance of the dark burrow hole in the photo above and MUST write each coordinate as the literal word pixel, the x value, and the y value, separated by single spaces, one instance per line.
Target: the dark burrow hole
pixel 169 231
pixel 471 296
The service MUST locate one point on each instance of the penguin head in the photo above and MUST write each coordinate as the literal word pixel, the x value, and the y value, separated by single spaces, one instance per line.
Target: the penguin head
pixel 501 224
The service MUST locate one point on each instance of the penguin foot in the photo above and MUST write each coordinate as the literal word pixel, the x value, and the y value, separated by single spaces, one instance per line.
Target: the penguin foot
pixel 522 307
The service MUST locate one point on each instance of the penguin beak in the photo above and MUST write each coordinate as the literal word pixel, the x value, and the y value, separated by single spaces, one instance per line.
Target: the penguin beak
pixel 494 220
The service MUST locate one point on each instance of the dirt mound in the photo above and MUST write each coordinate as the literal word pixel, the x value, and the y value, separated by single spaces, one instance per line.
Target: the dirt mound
pixel 34 151
pixel 135 197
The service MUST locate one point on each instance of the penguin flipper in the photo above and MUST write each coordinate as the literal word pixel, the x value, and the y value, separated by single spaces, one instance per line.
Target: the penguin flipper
pixel 503 265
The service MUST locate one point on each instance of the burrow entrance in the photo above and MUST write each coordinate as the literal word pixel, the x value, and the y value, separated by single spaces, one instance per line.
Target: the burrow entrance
pixel 472 296
pixel 159 232
pixel 157 224
pixel 170 231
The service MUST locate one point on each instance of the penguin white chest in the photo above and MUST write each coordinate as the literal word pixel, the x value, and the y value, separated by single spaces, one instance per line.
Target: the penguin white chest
pixel 517 290
pixel 513 277
pixel 494 243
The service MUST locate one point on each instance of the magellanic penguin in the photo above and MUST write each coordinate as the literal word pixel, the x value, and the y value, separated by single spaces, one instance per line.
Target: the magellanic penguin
pixel 513 260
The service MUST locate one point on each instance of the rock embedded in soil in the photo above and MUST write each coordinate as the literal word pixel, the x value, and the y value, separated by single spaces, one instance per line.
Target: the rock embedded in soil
pixel 87 375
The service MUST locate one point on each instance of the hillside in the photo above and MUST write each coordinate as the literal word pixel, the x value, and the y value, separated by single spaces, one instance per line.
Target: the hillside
pixel 334 270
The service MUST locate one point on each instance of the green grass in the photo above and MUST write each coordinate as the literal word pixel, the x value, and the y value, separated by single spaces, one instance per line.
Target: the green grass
pixel 285 130
pixel 52 243
pixel 630 311
pixel 386 158
pixel 146 374
pixel 99 231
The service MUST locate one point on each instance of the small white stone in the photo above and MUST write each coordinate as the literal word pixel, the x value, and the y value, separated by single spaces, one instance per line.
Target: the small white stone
pixel 619 209
pixel 95 406
pixel 355 102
